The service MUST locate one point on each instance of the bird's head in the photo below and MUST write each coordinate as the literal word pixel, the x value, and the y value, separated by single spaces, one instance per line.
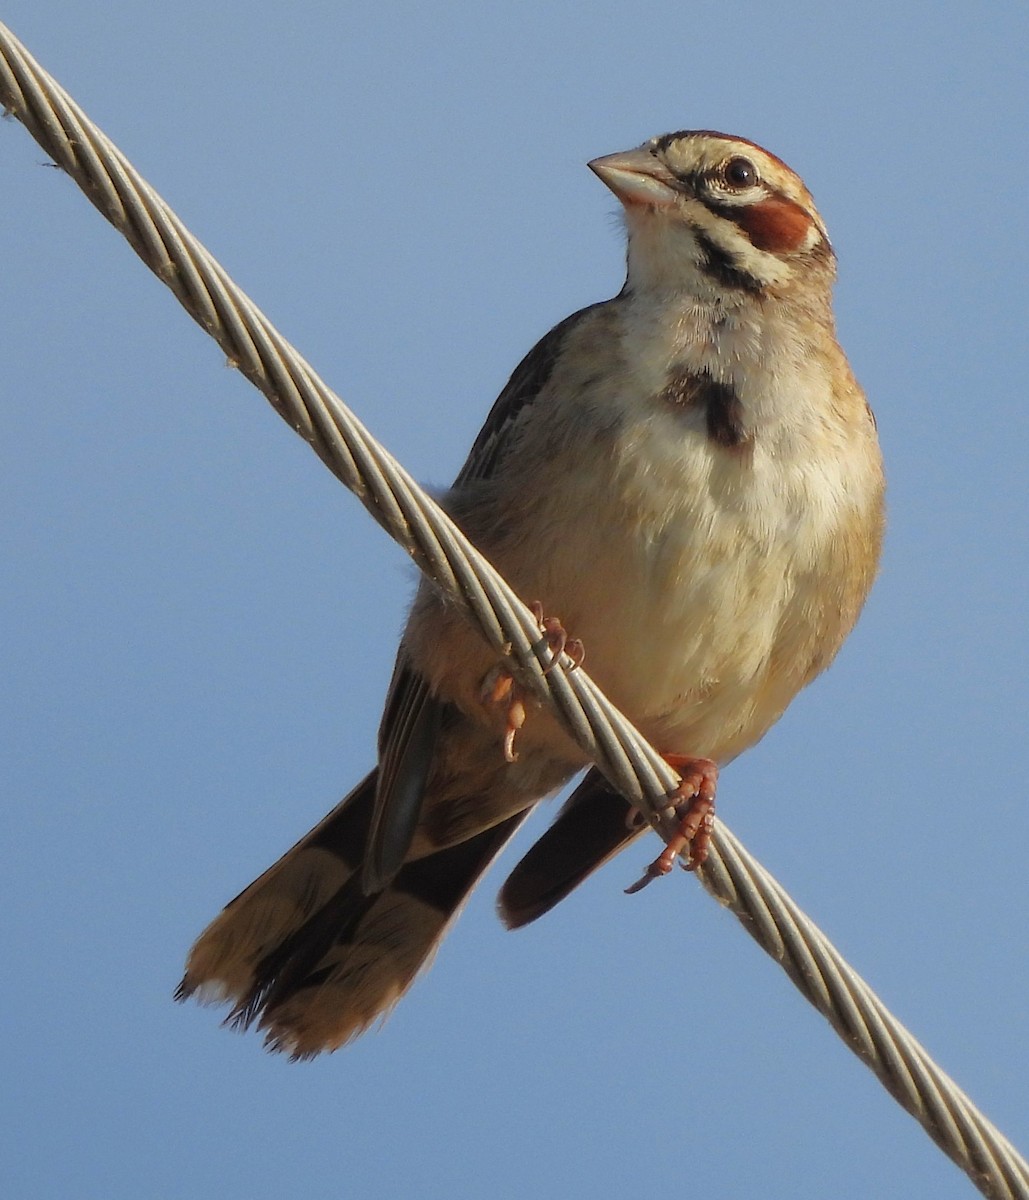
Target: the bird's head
pixel 714 215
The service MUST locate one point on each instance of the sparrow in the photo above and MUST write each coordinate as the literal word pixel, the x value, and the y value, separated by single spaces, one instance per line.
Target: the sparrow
pixel 688 476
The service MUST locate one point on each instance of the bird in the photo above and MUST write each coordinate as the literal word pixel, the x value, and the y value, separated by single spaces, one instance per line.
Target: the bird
pixel 686 476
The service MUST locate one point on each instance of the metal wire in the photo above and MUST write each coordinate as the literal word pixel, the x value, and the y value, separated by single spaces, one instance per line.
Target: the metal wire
pixel 731 875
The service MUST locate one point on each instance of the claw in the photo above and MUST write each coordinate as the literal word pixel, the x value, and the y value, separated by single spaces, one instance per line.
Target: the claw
pixel 499 686
pixel 558 642
pixel 694 803
pixel 634 819
pixel 515 720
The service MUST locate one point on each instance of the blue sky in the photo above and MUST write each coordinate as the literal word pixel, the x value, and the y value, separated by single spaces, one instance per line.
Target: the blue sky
pixel 197 622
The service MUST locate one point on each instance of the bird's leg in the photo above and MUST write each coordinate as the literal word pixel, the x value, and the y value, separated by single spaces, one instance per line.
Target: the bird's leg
pixel 500 686
pixel 694 804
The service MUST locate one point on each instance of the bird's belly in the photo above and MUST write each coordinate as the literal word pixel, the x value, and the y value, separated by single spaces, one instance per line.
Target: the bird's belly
pixel 701 617
pixel 693 649
pixel 700 582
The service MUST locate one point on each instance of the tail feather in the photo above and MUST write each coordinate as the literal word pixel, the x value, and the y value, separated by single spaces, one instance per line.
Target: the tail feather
pixel 594 824
pixel 223 960
pixel 310 958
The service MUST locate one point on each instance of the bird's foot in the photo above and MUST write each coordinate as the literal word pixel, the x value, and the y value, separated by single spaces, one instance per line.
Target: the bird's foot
pixel 557 640
pixel 500 687
pixel 694 804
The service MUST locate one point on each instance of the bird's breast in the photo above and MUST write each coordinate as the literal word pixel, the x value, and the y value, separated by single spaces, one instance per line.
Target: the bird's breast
pixel 703 578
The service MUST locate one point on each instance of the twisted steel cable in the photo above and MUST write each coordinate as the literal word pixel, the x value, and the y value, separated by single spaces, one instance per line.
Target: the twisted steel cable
pixel 413 519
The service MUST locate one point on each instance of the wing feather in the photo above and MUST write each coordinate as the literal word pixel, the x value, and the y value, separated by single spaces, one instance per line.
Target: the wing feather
pixel 412 716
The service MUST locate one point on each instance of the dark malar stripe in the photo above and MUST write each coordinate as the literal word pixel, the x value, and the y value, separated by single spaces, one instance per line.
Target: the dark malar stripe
pixel 718 264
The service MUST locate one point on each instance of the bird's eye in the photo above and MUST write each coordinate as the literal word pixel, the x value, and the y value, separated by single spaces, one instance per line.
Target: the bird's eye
pixel 739 173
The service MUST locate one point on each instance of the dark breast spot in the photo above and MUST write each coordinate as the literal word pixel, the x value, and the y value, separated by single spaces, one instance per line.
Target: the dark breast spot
pixel 722 409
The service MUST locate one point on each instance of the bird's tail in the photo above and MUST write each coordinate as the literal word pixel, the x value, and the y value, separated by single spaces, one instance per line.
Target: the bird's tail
pixel 310 958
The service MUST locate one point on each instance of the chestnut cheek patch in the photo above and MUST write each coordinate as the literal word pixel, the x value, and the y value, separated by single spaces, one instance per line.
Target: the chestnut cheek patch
pixel 776 225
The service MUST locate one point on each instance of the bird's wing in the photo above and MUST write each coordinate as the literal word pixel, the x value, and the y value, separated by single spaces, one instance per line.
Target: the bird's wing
pixel 408 732
pixel 527 381
pixel 412 718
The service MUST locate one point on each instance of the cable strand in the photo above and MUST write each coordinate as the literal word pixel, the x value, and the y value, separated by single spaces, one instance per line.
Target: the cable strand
pixel 298 395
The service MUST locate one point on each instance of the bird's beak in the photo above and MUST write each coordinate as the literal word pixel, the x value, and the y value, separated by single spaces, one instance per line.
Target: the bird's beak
pixel 637 177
